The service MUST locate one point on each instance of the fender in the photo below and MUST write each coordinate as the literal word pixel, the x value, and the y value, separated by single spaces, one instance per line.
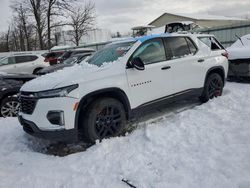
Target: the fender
pixel 116 93
pixel 217 69
pixel 9 91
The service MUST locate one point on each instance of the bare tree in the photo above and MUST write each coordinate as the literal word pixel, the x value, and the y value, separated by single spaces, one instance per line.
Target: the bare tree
pixel 5 41
pixel 21 20
pixel 55 8
pixel 36 22
pixel 37 8
pixel 81 19
pixel 14 44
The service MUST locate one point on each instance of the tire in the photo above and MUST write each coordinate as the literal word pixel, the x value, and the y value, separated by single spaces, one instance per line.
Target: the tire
pixel 213 87
pixel 104 118
pixel 9 107
pixel 36 70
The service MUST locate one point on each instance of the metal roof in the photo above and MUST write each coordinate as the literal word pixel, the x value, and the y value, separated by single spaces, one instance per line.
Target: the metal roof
pixel 200 17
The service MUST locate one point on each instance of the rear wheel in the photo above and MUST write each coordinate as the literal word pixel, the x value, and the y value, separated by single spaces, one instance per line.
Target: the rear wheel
pixel 104 118
pixel 9 107
pixel 37 70
pixel 213 87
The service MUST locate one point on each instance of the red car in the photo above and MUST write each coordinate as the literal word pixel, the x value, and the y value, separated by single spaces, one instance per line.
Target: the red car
pixel 52 57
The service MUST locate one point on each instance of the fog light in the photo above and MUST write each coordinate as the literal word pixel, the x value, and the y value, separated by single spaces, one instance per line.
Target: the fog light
pixel 56 117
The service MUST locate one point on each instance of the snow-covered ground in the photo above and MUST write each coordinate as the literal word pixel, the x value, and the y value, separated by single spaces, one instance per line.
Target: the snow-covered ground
pixel 206 146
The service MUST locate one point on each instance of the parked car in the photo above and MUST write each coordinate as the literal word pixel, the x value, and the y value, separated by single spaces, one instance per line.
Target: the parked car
pixel 52 57
pixel 71 53
pixel 10 85
pixel 23 63
pixel 95 100
pixel 239 59
pixel 76 59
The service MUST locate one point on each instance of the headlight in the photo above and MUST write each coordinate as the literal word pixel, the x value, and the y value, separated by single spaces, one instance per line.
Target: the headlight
pixel 61 92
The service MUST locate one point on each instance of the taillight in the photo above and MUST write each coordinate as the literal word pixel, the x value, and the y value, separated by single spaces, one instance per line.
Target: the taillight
pixel 225 54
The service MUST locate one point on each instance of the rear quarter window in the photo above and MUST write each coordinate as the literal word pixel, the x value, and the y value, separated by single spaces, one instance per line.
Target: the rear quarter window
pixel 211 42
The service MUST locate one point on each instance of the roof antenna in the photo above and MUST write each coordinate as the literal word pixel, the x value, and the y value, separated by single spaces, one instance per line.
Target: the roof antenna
pixel 240 39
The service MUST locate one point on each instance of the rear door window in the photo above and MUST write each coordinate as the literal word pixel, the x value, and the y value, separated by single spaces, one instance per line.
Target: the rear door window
pixel 24 59
pixel 179 47
pixel 193 49
pixel 21 59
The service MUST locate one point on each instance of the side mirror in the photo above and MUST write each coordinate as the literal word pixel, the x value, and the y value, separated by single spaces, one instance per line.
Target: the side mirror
pixel 138 64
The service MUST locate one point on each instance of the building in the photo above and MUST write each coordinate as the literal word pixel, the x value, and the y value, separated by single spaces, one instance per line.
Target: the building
pixel 92 37
pixel 202 20
pixel 227 35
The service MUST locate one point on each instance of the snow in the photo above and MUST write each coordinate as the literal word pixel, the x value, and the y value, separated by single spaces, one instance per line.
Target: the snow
pixel 60 48
pixel 49 81
pixel 238 50
pixel 203 146
pixel 3 73
pixel 68 76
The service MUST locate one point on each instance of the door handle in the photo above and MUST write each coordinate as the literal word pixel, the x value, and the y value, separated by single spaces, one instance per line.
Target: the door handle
pixel 166 68
pixel 201 60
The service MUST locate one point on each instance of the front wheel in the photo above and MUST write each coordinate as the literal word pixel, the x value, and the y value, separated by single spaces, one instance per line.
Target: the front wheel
pixel 9 107
pixel 104 118
pixel 213 87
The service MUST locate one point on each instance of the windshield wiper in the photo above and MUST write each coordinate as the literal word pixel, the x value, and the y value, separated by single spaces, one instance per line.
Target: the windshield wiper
pixel 240 39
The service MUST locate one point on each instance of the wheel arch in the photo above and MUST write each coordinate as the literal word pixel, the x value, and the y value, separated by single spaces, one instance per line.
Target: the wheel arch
pixel 7 94
pixel 219 70
pixel 115 93
pixel 37 69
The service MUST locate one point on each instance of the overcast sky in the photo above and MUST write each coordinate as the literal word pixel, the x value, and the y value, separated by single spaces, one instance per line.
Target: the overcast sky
pixel 121 15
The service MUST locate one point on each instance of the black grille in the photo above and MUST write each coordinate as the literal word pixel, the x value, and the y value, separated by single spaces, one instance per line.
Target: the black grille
pixel 28 103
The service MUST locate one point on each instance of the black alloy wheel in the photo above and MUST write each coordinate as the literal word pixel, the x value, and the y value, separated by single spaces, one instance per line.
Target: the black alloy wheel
pixel 213 87
pixel 104 118
pixel 108 122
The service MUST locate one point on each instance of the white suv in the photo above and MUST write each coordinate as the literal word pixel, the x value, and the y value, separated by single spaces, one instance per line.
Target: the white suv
pixel 22 63
pixel 95 99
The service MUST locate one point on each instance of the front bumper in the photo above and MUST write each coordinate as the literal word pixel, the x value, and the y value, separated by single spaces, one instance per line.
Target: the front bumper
pixel 62 135
pixel 43 106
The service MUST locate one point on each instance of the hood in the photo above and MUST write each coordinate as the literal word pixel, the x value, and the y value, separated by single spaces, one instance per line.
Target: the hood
pixel 240 49
pixel 76 74
pixel 238 52
pixel 53 68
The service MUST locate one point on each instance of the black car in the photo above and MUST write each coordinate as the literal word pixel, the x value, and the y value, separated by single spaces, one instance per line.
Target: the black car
pixel 71 53
pixel 67 63
pixel 10 85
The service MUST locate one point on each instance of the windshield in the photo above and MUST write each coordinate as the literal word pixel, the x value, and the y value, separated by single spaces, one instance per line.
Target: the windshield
pixel 4 61
pixel 71 60
pixel 110 53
